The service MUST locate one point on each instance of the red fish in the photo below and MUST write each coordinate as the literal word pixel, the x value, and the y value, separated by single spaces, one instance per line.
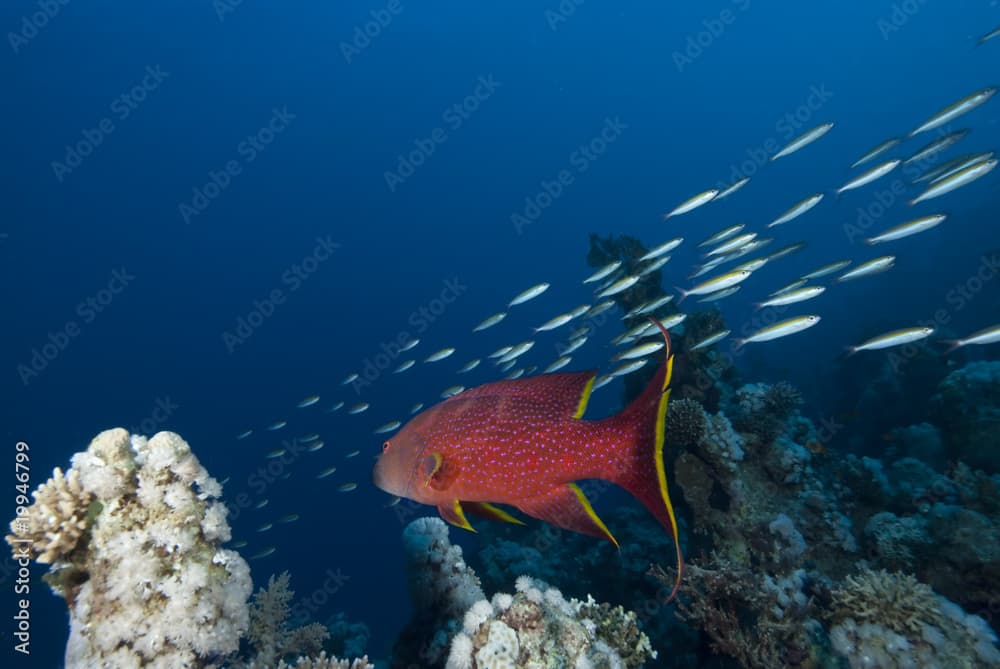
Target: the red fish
pixel 524 443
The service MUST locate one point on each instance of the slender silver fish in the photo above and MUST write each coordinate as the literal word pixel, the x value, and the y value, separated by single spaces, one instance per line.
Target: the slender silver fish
pixel 710 339
pixel 877 151
pixel 529 294
pixel 954 110
pixel 827 269
pixel 665 247
pixel 871 175
pixel 490 321
pixel 723 234
pixel 797 210
pixel 988 36
pixel 909 228
pixel 732 244
pixel 619 286
pixel 990 335
pixel 603 272
pixel 732 188
pixel 874 266
pixel 937 146
pixel 965 161
pixel 692 203
pixel 956 180
pixel 792 296
pixel 894 338
pixel 439 355
pixel 803 140
pixel 782 329
pixel 557 364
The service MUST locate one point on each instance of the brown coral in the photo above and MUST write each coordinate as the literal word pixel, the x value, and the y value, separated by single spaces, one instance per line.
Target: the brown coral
pixel 896 600
pixel 51 527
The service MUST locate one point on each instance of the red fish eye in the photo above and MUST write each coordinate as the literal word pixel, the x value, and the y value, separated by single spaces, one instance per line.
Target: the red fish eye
pixel 385 447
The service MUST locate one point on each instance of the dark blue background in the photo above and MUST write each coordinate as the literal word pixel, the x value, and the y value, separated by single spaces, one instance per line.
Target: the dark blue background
pixel 161 338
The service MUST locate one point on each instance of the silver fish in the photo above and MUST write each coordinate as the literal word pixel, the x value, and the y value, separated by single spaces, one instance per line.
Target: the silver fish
pixel 803 140
pixel 600 308
pixel 875 266
pixel 965 161
pixel 440 355
pixel 416 407
pixel 782 329
pixel 786 251
pixel 732 244
pixel 451 391
pixel 326 472
pixel 665 247
pixel 990 335
pixel 469 366
pixel 792 296
pixel 692 203
pixel 349 379
pixel 559 363
pixel 732 188
pixel 894 338
pixel 554 322
pixel 277 425
pixel 827 269
pixel 491 321
pixel 307 402
pixel 719 294
pixel 529 294
pixel 937 146
pixel 603 272
pixel 630 367
pixel 640 351
pixel 573 345
pixel 711 339
pixel 244 434
pixel 718 283
pixel 909 228
pixel 722 235
pixel 953 111
pixel 877 151
pixel 358 408
pixel 797 210
pixel 391 426
pixel 405 365
pixel 654 265
pixel 871 175
pixel 408 345
pixel 619 286
pixel 516 351
pixel 956 180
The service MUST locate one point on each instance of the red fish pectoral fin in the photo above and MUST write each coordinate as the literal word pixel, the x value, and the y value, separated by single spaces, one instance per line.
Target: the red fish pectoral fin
pixel 453 513
pixel 487 510
pixel 567 507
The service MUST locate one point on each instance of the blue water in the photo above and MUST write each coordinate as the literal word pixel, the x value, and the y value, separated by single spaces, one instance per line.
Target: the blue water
pixel 542 85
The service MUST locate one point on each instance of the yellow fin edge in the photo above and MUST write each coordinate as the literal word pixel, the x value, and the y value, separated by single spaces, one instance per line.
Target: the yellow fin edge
pixel 585 503
pixel 581 407
pixel 500 514
pixel 661 472
pixel 456 507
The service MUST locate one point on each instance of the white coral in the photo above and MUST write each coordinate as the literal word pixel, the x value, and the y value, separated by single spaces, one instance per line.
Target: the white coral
pixel 157 588
pixel 52 526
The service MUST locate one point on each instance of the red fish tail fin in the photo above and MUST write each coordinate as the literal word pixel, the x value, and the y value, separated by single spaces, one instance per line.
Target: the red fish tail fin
pixel 641 469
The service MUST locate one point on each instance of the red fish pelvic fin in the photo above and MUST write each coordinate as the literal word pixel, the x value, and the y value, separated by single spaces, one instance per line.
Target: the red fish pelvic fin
pixel 567 507
pixel 452 512
pixel 641 470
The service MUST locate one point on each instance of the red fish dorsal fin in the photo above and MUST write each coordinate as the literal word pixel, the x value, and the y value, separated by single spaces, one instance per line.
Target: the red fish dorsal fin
pixel 567 507
pixel 557 395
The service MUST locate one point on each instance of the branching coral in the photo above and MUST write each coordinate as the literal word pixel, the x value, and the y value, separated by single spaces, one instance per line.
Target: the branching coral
pixel 762 623
pixel 894 621
pixel 53 525
pixel 269 633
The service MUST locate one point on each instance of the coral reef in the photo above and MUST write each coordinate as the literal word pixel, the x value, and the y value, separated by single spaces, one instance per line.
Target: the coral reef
pixel 967 409
pixel 538 627
pixel 269 634
pixel 686 422
pixel 893 621
pixel 133 533
pixel 140 564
